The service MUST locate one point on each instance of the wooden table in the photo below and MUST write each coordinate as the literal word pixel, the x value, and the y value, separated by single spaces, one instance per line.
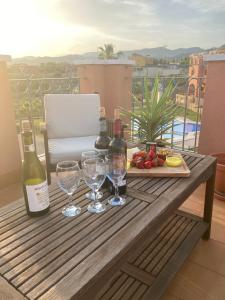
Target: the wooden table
pixel 129 252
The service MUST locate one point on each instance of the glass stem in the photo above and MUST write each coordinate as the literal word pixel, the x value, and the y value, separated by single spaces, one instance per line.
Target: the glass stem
pixel 95 197
pixel 116 190
pixel 70 200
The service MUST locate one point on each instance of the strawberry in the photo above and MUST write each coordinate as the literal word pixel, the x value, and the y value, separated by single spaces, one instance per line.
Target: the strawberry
pixel 151 155
pixel 140 164
pixel 148 164
pixel 154 162
pixel 142 154
pixel 160 161
pixel 161 156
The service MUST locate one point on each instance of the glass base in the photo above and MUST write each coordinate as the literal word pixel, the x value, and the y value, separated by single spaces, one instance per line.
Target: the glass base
pixel 117 201
pixel 91 195
pixel 71 211
pixel 96 207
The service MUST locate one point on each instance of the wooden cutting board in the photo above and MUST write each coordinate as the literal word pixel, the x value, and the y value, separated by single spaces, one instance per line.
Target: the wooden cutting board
pixel 164 171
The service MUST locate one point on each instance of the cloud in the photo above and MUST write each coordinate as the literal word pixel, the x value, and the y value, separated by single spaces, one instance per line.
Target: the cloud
pixel 123 19
pixel 203 5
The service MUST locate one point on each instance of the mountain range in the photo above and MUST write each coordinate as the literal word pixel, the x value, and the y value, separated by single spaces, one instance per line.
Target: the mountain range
pixel 159 52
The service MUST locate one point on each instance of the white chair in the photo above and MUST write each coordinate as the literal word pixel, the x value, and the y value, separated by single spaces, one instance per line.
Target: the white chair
pixel 72 126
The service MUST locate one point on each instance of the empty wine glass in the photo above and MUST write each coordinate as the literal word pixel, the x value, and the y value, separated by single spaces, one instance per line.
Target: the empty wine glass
pixel 68 179
pixel 94 172
pixel 86 155
pixel 116 172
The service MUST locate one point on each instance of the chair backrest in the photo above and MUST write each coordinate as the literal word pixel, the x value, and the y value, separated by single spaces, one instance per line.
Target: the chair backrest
pixel 71 115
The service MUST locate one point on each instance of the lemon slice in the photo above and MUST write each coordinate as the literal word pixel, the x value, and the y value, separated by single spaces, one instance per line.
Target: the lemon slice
pixel 173 161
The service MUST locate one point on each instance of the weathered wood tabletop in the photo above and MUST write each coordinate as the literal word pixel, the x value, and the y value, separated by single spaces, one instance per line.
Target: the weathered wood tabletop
pixel 128 252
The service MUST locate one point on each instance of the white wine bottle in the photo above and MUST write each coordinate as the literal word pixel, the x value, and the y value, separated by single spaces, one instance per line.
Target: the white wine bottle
pixel 35 185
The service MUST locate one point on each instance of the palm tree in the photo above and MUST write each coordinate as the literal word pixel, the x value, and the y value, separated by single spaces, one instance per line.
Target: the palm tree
pixel 154 116
pixel 107 52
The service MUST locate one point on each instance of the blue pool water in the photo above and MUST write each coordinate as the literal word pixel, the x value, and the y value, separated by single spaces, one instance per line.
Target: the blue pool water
pixel 178 129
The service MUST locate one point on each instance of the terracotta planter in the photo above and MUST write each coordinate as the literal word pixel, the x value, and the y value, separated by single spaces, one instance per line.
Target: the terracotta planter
pixel 220 176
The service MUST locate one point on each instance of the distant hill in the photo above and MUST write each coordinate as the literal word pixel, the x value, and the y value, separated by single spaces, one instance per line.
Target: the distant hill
pixel 159 52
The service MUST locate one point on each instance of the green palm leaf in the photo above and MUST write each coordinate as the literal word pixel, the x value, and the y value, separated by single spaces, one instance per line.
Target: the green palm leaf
pixel 154 115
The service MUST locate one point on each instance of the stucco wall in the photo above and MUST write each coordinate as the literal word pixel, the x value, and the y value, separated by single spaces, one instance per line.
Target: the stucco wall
pixel 212 135
pixel 112 81
pixel 10 161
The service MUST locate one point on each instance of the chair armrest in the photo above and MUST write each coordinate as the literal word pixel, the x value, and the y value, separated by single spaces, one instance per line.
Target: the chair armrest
pixel 43 128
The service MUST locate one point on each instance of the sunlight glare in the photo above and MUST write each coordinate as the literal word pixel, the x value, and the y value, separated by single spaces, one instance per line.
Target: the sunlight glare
pixel 27 28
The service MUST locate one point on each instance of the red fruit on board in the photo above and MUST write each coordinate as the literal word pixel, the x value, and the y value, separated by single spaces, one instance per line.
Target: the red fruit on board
pixel 140 164
pixel 142 154
pixel 155 163
pixel 160 161
pixel 161 156
pixel 148 164
pixel 134 155
pixel 151 155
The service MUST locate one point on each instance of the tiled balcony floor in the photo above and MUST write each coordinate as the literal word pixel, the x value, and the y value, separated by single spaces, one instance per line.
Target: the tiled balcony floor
pixel 203 274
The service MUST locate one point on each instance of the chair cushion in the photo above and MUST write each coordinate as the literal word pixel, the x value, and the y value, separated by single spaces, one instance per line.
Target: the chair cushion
pixel 69 148
pixel 71 115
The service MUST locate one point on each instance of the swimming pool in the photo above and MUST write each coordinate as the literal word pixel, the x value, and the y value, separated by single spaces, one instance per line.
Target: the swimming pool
pixel 178 129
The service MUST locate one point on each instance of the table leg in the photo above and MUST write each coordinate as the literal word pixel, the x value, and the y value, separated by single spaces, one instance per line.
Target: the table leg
pixel 208 207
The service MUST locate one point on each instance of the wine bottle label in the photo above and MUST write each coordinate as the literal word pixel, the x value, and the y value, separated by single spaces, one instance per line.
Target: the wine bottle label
pixel 37 195
pixel 122 182
pixel 29 148
pixel 103 126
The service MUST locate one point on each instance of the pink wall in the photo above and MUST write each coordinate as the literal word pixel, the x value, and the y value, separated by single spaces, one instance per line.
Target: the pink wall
pixel 112 81
pixel 212 134
pixel 10 161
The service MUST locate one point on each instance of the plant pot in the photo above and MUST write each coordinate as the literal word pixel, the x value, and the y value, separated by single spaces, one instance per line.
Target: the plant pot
pixel 220 176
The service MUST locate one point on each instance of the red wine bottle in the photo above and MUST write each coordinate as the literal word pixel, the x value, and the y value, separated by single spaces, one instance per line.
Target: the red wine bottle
pixel 103 140
pixel 118 146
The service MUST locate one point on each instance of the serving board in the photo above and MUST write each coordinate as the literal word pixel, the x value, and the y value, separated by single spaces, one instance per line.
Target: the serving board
pixel 164 171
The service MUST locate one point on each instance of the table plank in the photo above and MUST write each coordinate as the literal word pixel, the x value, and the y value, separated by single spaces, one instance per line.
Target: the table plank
pixel 43 257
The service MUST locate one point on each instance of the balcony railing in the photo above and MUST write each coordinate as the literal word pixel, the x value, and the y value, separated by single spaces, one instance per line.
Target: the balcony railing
pixel 28 97
pixel 189 96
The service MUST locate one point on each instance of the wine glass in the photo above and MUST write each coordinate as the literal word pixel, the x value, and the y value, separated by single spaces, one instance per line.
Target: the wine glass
pixel 116 172
pixel 68 179
pixel 86 155
pixel 94 172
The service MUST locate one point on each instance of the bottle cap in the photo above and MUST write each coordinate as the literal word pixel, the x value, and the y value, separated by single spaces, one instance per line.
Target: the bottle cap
pixel 26 126
pixel 102 111
pixel 116 113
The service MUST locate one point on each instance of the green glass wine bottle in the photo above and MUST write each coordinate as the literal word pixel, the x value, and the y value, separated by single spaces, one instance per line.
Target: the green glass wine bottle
pixel 35 185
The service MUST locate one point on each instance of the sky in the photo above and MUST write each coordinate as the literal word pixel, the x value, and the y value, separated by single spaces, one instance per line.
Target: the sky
pixel 61 27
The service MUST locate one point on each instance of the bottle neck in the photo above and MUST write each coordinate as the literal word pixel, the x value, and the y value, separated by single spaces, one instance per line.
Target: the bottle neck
pixel 117 129
pixel 103 126
pixel 28 144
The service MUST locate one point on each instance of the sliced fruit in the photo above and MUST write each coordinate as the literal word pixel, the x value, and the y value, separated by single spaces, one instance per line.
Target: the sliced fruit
pixel 173 161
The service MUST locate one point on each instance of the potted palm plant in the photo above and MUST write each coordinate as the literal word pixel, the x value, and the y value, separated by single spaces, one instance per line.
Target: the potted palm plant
pixel 153 116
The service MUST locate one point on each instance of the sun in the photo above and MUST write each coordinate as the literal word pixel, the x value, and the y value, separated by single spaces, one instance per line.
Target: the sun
pixel 30 27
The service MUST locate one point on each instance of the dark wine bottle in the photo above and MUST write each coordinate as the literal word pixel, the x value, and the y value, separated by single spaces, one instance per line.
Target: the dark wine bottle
pixel 118 146
pixel 103 140
pixel 35 185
